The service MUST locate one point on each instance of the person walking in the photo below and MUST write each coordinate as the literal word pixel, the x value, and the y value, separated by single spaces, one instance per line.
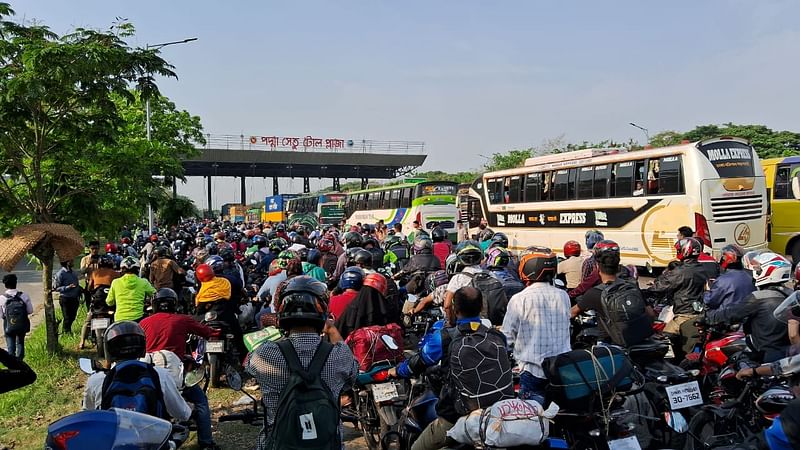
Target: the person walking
pixel 65 282
pixel 15 307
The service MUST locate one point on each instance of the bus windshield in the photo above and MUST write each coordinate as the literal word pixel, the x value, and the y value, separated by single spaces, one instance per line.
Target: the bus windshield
pixel 730 159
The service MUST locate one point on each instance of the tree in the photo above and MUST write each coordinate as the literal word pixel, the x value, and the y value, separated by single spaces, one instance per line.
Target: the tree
pixel 173 209
pixel 61 129
pixel 767 142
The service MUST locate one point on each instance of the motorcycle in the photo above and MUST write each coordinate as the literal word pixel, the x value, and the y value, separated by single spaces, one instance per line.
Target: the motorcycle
pixel 101 318
pixel 220 352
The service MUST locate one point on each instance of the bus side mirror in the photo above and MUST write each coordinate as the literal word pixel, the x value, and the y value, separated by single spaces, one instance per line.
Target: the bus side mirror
pixel 796 187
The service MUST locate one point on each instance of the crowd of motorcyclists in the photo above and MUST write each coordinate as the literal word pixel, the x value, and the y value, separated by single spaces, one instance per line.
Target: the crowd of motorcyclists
pixel 336 281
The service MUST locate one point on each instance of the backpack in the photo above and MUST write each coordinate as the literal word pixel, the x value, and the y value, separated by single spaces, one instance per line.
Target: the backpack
pixel 480 371
pixel 134 385
pixel 368 346
pixel 328 263
pixel 494 296
pixel 17 321
pixel 307 416
pixel 624 317
pixel 511 285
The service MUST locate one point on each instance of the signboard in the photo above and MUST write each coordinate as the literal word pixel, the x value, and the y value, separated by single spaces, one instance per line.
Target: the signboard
pixel 274 203
pixel 294 143
pixel 729 158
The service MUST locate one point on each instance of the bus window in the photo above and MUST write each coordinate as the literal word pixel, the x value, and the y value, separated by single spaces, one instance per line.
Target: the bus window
pixel 374 200
pixel 783 183
pixel 547 187
pixel 533 184
pixel 572 185
pixel 362 201
pixel 405 198
pixel 638 187
pixel 394 199
pixel 514 192
pixel 623 179
pixel 506 183
pixel 653 170
pixel 601 176
pixel 669 176
pixel 561 180
pixel 585 182
pixel 495 190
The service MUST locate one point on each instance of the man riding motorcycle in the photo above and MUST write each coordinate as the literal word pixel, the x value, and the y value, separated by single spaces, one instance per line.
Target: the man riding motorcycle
pixel 734 284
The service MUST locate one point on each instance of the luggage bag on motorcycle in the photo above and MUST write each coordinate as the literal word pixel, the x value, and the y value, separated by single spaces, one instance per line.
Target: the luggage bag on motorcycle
pixel 369 347
pixel 579 376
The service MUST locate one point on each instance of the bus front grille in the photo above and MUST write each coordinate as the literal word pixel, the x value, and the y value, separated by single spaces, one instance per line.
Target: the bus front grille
pixel 737 209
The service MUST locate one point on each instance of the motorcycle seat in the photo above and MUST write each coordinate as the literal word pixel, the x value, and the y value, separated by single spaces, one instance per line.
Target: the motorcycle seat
pixel 648 349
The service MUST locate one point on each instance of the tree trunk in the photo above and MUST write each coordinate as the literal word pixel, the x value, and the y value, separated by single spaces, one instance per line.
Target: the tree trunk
pixel 45 255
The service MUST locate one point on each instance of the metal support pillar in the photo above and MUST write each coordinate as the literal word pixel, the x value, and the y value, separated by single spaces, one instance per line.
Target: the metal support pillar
pixel 306 185
pixel 244 192
pixel 208 190
pixel 364 183
pixel 174 188
pixel 275 189
pixel 336 185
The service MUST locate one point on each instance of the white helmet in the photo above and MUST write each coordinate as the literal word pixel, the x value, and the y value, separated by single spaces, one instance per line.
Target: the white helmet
pixel 129 263
pixel 770 268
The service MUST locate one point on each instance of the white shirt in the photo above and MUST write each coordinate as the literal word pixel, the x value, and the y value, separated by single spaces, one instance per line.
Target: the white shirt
pixel 460 280
pixel 176 405
pixel 11 293
pixel 537 324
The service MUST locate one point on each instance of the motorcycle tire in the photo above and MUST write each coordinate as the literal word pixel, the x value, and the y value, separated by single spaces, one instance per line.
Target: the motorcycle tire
pixel 100 343
pixel 707 430
pixel 371 425
pixel 215 369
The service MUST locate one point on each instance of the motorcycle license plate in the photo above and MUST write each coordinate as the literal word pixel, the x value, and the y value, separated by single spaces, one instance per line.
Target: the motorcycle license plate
pixel 684 395
pixel 628 443
pixel 99 324
pixel 384 392
pixel 215 347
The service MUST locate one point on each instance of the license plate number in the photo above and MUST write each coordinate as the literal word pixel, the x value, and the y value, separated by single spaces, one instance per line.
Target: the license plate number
pixel 384 392
pixel 99 324
pixel 628 443
pixel 215 346
pixel 684 395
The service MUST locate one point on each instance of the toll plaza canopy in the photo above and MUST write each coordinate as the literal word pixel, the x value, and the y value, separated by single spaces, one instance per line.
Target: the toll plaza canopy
pixel 273 156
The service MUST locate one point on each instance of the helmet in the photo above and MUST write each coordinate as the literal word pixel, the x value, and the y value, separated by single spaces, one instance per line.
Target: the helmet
pixel 593 237
pixel 206 230
pixel 372 242
pixel 436 279
pixel 572 248
pixel 303 301
pixel 352 239
pixel 270 235
pixel 288 255
pixel 280 227
pixel 497 257
pixel 326 245
pixel 452 265
pixel 227 254
pixel 499 240
pixel 302 253
pixel 438 234
pixel 129 263
pixel 422 244
pixel 391 241
pixel 774 400
pixel 259 241
pixel 124 340
pixel 730 254
pixel 363 258
pixel 216 263
pixel 314 256
pixel 770 268
pixel 376 281
pixel 278 245
pixel 111 247
pixel 604 249
pixel 153 238
pixel 351 254
pixel 204 273
pixel 126 241
pixel 219 236
pixel 161 251
pixel 165 300
pixel 469 253
pixel 537 264
pixel 788 309
pixel 352 278
pixel 688 248
pixel 106 261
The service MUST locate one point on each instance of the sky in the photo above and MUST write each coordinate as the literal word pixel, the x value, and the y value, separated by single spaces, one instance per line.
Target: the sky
pixel 467 77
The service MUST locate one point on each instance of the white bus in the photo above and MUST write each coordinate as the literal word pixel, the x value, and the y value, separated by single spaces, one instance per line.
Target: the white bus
pixel 638 198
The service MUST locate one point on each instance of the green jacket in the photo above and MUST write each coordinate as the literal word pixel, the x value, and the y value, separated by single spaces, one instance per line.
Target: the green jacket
pixel 126 297
pixel 314 271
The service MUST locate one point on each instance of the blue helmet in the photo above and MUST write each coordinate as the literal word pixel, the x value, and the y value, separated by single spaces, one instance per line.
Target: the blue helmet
pixel 216 263
pixel 593 237
pixel 314 256
pixel 352 278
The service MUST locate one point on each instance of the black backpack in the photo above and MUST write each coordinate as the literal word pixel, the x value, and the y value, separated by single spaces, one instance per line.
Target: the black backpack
pixel 494 296
pixel 17 321
pixel 307 416
pixel 624 317
pixel 480 371
pixel 134 385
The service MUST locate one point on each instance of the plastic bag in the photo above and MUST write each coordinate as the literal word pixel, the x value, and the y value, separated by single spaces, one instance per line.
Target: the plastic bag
pixel 514 422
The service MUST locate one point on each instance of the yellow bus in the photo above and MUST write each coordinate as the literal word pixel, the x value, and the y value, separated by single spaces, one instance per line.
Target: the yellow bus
pixel 637 198
pixel 784 226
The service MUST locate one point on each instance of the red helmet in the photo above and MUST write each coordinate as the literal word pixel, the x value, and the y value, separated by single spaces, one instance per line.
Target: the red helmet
pixel 204 273
pixel 688 248
pixel 325 246
pixel 219 236
pixel 153 238
pixel 572 248
pixel 376 281
pixel 730 254
pixel 111 247
pixel 126 240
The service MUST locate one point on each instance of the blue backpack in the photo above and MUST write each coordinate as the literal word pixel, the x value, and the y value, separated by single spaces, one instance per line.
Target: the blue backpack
pixel 134 385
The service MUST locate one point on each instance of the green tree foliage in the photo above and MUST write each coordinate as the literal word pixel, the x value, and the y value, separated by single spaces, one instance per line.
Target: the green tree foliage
pixel 64 153
pixel 767 142
pixel 172 210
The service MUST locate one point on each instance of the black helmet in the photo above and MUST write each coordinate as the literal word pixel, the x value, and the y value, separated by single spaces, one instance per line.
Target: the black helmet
pixel 270 235
pixel 438 234
pixel 499 240
pixel 422 244
pixel 165 300
pixel 216 263
pixel 351 255
pixel 161 251
pixel 124 340
pixel 314 256
pixel 303 254
pixel 259 241
pixel 537 264
pixel 280 227
pixel 303 302
pixel 227 254
pixel 352 239
pixel 106 261
pixel 369 240
pixel 363 258
pixel 278 245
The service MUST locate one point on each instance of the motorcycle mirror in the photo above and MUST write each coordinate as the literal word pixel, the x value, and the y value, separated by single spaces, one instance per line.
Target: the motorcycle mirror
pixel 412 298
pixel 698 307
pixel 389 341
pixel 234 379
pixel 194 377
pixel 86 365
pixel 559 284
pixel 253 262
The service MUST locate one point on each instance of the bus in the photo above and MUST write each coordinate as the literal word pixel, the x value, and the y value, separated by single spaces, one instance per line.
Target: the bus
pixel 428 202
pixel 323 209
pixel 638 198
pixel 783 232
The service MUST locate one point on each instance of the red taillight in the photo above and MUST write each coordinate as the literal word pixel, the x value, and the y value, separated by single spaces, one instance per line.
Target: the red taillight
pixel 702 231
pixel 383 375
pixel 60 440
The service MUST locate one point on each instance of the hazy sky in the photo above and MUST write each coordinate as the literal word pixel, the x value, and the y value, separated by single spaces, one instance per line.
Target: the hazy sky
pixel 467 77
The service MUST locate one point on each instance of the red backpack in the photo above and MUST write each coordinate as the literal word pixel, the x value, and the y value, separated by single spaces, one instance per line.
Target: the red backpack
pixel 368 347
